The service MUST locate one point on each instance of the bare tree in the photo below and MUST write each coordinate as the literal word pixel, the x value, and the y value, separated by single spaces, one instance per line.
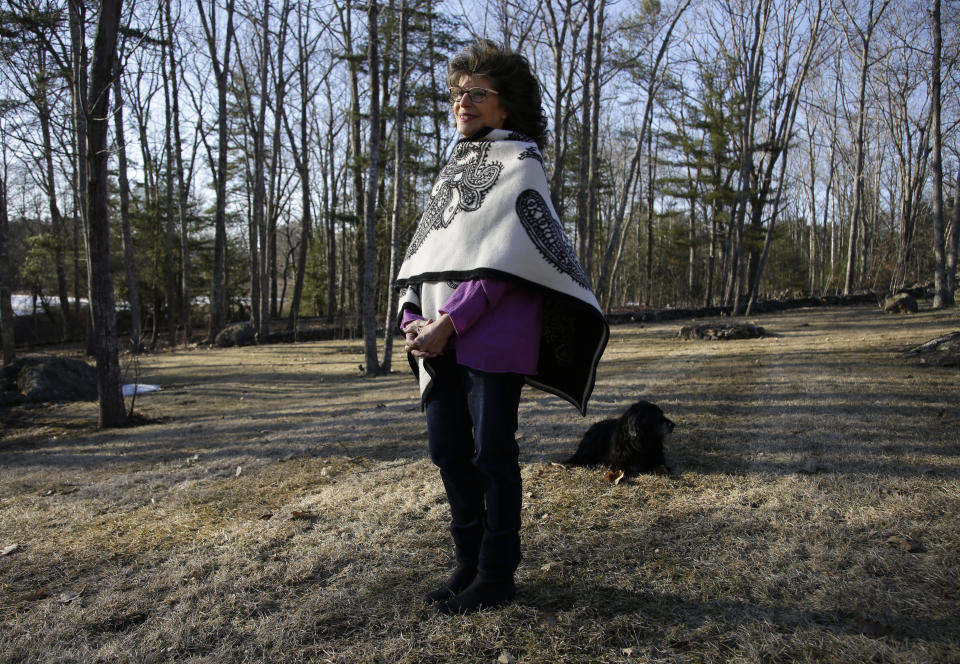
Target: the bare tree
pixel 102 302
pixel 865 35
pixel 563 24
pixel 170 274
pixel 389 325
pixel 623 207
pixel 584 249
pixel 7 336
pixel 368 303
pixel 780 120
pixel 306 46
pixel 185 262
pixel 953 240
pixel 129 260
pixel 32 68
pixel 943 296
pixel 221 69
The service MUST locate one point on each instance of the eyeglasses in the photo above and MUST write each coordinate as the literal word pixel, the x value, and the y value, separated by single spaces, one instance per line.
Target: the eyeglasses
pixel 477 95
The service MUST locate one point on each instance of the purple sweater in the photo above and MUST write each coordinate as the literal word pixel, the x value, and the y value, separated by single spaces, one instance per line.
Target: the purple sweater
pixel 497 325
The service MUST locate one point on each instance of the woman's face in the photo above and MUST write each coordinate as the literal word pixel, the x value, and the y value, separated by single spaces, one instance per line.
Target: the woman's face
pixel 472 116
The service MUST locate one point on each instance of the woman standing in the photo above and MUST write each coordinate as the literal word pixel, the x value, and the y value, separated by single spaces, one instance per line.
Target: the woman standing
pixel 492 297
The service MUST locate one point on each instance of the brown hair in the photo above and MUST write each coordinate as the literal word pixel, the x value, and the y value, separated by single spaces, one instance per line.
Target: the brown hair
pixel 511 76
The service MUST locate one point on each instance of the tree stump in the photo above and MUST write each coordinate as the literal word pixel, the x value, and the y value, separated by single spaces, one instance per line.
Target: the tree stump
pixel 722 331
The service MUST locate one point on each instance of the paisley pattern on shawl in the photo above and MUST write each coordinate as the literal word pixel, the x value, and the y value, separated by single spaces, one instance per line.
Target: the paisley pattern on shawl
pixel 461 186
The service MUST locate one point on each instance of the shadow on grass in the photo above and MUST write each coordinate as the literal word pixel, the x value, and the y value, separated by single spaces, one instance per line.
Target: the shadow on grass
pixel 606 603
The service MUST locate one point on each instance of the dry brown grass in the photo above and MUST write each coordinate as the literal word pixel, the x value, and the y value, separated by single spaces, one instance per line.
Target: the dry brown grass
pixel 797 455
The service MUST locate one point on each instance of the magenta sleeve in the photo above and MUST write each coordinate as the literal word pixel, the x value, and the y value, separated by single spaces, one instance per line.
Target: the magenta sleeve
pixel 471 300
pixel 409 315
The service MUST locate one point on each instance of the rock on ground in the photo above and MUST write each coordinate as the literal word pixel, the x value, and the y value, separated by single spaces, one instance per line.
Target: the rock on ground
pixel 237 334
pixel 48 378
pixel 901 303
pixel 722 331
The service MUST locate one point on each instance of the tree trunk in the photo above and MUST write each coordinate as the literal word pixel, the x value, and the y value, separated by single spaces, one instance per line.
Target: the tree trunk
pixel 953 240
pixel 102 303
pixel 356 147
pixel 751 92
pixel 619 229
pixel 584 250
pixel 368 304
pixel 260 184
pixel 129 261
pixel 56 220
pixel 302 161
pixel 389 326
pixel 859 143
pixel 169 261
pixel 943 296
pixel 596 83
pixel 6 309
pixel 270 310
pixel 187 304
pixel 218 290
pixel 76 13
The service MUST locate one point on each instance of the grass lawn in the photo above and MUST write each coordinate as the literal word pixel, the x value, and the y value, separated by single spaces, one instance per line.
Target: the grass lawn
pixel 279 507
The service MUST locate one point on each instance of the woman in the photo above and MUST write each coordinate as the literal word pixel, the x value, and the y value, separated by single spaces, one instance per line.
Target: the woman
pixel 492 297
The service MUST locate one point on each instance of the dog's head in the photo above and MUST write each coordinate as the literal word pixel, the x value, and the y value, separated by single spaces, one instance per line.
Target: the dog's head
pixel 645 419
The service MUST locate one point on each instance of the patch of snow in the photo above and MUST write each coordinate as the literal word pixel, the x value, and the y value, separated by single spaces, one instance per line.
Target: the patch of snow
pixel 130 389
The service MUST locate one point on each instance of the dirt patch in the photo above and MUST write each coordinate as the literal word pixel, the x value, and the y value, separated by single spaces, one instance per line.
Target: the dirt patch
pixel 279 507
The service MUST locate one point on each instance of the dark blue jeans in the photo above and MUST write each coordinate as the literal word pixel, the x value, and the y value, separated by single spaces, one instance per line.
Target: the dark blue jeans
pixel 471 427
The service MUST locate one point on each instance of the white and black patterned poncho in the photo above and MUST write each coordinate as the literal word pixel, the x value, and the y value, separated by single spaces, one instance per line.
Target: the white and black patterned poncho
pixel 490 215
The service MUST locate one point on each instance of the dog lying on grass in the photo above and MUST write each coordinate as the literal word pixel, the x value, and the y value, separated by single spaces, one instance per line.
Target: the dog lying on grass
pixel 631 443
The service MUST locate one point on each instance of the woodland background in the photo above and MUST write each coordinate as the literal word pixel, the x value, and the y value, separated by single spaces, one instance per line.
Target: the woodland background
pixel 266 161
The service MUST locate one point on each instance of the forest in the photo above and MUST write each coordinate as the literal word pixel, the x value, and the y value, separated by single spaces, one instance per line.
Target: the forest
pixel 194 164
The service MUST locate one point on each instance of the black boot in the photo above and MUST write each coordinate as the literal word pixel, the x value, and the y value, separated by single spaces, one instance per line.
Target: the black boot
pixel 485 592
pixel 466 542
pixel 460 580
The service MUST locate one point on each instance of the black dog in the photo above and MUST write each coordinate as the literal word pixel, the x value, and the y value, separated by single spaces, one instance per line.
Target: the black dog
pixel 631 443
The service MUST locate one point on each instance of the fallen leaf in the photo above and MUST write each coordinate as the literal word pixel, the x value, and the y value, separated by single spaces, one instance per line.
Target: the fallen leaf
pixel 239 470
pixel 10 549
pixel 66 598
pixel 506 658
pixel 613 477
pixel 903 543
